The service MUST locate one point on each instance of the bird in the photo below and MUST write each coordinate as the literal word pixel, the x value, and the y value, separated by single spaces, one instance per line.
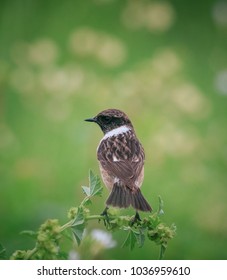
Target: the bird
pixel 121 161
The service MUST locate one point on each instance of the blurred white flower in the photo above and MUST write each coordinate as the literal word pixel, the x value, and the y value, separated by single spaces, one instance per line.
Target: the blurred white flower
pixel 104 238
pixel 107 49
pixel 155 16
pixel 84 41
pixel 150 77
pixel 221 82
pixel 111 52
pixel 166 62
pixel 190 100
pixel 159 16
pixel 176 141
pixel 220 13
pixel 61 82
pixel 73 255
pixel 133 15
pixel 43 52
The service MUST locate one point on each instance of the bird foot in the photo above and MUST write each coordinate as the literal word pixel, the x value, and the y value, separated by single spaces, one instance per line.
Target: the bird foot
pixel 106 219
pixel 135 219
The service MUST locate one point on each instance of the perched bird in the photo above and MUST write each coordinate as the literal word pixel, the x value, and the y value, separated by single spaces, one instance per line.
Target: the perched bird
pixel 121 161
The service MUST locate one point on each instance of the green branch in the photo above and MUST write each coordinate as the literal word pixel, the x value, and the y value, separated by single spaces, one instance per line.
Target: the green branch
pixel 51 234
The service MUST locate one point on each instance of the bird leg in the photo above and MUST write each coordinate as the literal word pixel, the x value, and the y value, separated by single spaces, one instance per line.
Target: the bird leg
pixel 135 219
pixel 105 215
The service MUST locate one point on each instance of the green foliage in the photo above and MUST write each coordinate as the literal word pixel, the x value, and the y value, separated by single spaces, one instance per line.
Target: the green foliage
pixel 168 73
pixel 153 228
pixel 2 252
pixel 51 235
pixel 94 188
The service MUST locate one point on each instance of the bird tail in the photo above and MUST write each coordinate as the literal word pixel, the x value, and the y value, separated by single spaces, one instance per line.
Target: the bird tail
pixel 123 197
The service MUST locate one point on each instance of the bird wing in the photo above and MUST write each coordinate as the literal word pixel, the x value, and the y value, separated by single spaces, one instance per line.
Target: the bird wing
pixel 123 159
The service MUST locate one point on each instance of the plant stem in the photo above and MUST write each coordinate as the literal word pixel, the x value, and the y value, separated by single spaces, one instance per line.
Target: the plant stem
pixel 88 218
pixel 95 217
pixel 67 225
pixel 30 253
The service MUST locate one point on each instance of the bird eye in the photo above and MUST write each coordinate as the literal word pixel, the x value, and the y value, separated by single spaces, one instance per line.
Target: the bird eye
pixel 106 119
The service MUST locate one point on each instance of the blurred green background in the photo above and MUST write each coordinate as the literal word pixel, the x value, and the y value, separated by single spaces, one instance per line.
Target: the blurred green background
pixel 162 62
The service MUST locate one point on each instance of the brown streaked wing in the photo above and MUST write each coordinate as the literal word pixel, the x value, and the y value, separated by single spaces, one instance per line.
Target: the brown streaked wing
pixel 129 164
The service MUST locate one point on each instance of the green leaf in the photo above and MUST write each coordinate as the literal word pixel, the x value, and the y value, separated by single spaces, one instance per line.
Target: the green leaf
pixel 29 233
pixel 78 226
pixel 130 240
pixel 160 208
pixel 2 252
pixel 97 191
pixel 86 201
pixel 140 237
pixel 162 252
pixel 94 184
pixel 94 188
pixel 79 219
pixel 92 180
pixel 134 236
pixel 86 190
pixel 78 232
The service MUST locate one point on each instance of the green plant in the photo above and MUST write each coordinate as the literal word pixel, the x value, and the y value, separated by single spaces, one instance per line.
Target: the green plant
pixel 51 234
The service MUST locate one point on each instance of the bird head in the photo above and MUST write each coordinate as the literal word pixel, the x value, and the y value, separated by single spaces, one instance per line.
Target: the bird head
pixel 111 119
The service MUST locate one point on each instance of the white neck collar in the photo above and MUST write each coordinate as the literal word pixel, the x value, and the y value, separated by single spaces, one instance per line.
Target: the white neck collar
pixel 116 131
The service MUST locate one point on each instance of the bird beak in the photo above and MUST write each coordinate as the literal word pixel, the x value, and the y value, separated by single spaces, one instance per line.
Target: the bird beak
pixel 91 120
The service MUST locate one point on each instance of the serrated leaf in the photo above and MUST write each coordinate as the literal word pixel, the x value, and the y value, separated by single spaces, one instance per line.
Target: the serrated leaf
pixel 95 184
pixel 130 240
pixel 94 188
pixel 79 219
pixel 92 179
pixel 78 225
pixel 86 190
pixel 97 191
pixel 78 232
pixel 134 236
